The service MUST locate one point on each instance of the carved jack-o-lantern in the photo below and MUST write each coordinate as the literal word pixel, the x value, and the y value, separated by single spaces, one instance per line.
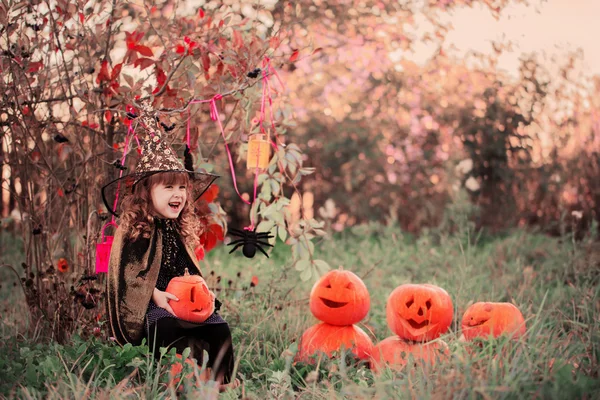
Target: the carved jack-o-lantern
pixel 340 298
pixel 484 319
pixel 196 302
pixel 419 312
pixel 396 353
pixel 326 338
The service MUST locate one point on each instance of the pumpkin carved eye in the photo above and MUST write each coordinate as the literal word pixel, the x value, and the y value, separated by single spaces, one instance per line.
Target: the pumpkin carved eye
pixel 428 304
pixel 350 286
pixel 410 302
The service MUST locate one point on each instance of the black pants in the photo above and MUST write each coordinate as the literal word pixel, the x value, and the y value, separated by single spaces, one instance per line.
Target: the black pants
pixel 214 338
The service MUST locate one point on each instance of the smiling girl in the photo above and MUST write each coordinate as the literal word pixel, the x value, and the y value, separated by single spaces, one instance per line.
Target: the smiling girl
pixel 154 243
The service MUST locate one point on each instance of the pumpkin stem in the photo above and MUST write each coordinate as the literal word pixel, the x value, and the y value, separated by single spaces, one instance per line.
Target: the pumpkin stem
pixel 186 273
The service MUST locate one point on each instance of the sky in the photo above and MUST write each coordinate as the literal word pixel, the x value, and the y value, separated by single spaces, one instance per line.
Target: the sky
pixel 553 26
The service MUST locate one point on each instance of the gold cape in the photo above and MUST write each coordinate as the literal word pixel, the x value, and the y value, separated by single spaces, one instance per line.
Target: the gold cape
pixel 132 274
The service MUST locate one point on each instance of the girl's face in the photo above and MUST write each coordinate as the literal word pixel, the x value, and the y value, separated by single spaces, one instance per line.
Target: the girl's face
pixel 168 199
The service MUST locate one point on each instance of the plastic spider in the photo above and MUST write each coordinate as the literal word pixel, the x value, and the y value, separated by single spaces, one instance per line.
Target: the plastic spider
pixel 251 240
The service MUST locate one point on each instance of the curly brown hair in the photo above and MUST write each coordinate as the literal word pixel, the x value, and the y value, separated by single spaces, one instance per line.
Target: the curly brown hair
pixel 137 218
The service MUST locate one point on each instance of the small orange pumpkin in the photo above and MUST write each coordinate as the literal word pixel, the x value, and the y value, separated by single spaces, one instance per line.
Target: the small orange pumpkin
pixel 484 319
pixel 340 298
pixel 196 302
pixel 328 338
pixel 395 352
pixel 419 312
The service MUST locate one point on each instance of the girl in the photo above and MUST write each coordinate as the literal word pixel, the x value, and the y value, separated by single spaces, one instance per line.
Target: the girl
pixel 154 242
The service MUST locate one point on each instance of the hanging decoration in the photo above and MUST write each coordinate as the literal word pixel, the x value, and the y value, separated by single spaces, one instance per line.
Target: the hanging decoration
pixel 258 159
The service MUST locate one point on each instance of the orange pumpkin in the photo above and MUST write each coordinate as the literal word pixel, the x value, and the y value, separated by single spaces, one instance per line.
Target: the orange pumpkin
pixel 340 298
pixel 396 353
pixel 419 312
pixel 196 302
pixel 484 319
pixel 326 338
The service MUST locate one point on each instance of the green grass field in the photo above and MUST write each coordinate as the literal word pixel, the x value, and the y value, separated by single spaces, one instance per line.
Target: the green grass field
pixel 554 282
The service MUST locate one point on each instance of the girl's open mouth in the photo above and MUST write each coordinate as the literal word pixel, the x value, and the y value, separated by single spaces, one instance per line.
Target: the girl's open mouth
pixel 174 206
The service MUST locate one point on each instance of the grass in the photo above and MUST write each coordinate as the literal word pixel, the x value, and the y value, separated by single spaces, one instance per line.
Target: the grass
pixel 553 281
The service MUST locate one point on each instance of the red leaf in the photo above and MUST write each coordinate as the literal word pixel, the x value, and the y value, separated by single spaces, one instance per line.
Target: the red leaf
pixel 199 251
pixel 221 23
pixel 205 61
pixel 107 116
pixel 211 194
pixel 60 192
pixel 237 39
pixel 143 63
pixel 103 74
pixel 200 13
pixel 144 50
pixel 35 66
pixel 81 17
pixel 133 38
pixel 274 42
pixel 294 56
pixel 116 71
pixel 180 49
pixel 161 78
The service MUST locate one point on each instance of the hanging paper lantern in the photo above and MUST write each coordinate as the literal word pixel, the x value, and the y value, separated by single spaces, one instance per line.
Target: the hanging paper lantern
pixel 419 312
pixel 196 302
pixel 340 298
pixel 484 319
pixel 396 353
pixel 103 250
pixel 326 338
pixel 259 151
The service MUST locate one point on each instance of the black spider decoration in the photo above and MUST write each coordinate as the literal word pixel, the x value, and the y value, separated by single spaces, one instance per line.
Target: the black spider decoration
pixel 251 240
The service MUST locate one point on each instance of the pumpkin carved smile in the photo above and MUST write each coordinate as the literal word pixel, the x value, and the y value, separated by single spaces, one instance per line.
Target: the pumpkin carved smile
pixel 417 325
pixel 474 322
pixel 333 304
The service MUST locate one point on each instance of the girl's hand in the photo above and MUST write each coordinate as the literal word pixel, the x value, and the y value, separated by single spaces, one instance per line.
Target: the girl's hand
pixel 161 299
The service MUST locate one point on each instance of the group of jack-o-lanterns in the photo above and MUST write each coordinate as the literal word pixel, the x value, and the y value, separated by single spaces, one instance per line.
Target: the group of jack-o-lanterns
pixel 417 314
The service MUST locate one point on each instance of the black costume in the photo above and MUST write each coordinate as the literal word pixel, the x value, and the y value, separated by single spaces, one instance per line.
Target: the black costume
pixel 163 329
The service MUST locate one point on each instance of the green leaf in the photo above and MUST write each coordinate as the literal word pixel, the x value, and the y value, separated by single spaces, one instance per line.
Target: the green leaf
pixel 282 232
pixel 274 186
pixel 306 275
pixel 302 265
pixel 186 353
pixel 265 192
pixel 306 170
pixel 266 225
pixel 321 267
